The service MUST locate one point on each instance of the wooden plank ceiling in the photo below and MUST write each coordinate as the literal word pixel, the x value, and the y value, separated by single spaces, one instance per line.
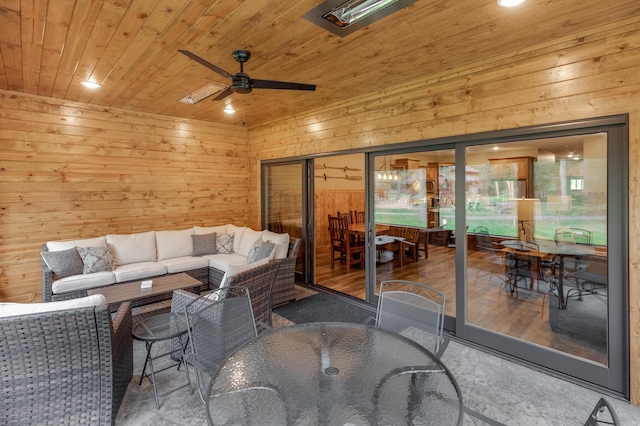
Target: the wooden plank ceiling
pixel 130 47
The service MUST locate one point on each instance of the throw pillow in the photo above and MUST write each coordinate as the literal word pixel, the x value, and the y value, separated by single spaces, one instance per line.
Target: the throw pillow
pixel 95 259
pixel 224 243
pixel 204 244
pixel 63 263
pixel 265 250
pixel 253 251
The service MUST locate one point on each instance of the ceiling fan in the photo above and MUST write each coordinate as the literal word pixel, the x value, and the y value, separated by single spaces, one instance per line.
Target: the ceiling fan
pixel 241 82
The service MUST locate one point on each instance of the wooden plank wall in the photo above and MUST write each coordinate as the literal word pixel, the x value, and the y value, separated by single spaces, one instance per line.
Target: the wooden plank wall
pixel 588 74
pixel 70 170
pixel 330 202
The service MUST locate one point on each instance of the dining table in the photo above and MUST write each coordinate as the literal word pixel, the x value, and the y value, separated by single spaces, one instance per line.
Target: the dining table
pixel 332 373
pixel 552 252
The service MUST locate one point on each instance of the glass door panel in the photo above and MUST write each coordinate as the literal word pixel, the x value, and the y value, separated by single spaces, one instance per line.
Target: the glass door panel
pixel 284 209
pixel 413 213
pixel 537 260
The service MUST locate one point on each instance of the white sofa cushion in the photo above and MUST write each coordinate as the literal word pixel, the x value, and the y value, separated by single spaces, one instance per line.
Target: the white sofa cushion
pixel 249 237
pixel 280 240
pixel 138 271
pixel 132 248
pixel 202 230
pixel 65 245
pixel 170 244
pixel 222 261
pixel 83 282
pixel 186 263
pixel 14 309
pixel 241 267
pixel 238 232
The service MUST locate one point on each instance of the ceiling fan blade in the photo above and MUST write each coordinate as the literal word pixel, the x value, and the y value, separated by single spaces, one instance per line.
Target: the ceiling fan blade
pixel 207 64
pixel 226 92
pixel 271 84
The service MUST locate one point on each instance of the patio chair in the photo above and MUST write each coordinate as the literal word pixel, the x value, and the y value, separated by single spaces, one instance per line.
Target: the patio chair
pixel 218 324
pixel 603 414
pixel 414 310
pixel 259 281
pixel 65 367
pixel 492 256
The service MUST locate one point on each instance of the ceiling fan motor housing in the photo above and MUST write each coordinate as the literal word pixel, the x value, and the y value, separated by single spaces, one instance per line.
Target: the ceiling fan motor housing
pixel 241 83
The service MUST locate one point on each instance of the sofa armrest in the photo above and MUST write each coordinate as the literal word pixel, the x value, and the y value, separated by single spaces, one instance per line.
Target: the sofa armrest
pixel 284 289
pixel 122 354
pixel 47 279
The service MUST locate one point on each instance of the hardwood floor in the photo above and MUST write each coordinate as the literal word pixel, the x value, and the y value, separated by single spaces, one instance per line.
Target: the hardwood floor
pixel 525 316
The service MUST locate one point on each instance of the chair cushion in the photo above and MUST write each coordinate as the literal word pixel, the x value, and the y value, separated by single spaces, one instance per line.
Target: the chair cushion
pixel 238 233
pixel 202 230
pixel 65 245
pixel 15 309
pixel 82 282
pixel 186 263
pixel 171 244
pixel 223 261
pixel 249 237
pixel 280 240
pixel 138 271
pixel 132 248
pixel 204 244
pixel 63 263
pixel 95 259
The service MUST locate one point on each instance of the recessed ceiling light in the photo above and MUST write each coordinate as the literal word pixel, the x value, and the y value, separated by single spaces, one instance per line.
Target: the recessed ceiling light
pixel 495 148
pixel 90 84
pixel 229 109
pixel 509 3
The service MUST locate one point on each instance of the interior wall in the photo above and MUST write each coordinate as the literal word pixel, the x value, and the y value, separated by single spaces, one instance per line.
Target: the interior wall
pixel 588 74
pixel 70 170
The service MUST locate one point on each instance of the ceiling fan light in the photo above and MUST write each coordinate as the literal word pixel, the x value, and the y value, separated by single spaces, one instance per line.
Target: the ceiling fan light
pixel 90 84
pixel 509 3
pixel 229 109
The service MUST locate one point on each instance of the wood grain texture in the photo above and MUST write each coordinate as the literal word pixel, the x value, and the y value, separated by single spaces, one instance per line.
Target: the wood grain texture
pixel 590 73
pixel 70 170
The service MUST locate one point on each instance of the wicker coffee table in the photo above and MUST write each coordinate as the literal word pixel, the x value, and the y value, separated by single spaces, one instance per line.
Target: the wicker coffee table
pixel 131 291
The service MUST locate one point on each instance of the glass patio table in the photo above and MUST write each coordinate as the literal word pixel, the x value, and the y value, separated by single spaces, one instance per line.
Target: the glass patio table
pixel 333 373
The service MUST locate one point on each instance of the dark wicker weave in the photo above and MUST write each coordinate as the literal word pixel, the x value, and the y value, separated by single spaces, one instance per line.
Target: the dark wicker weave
pixel 67 367
pixel 284 289
pixel 259 281
pixel 201 274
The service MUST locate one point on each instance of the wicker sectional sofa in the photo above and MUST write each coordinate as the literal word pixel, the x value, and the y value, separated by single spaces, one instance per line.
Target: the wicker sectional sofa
pixel 156 253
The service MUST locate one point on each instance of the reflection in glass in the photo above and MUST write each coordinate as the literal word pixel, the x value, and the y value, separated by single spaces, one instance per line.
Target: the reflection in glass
pixel 537 222
pixel 414 210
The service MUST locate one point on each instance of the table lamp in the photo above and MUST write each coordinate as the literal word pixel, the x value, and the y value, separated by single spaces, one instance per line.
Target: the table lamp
pixel 526 214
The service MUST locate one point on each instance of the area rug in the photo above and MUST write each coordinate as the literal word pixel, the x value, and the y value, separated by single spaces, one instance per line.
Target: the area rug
pixel 325 307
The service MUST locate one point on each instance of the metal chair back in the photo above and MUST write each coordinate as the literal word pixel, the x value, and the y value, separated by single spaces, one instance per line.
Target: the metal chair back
pixel 218 324
pixel 407 307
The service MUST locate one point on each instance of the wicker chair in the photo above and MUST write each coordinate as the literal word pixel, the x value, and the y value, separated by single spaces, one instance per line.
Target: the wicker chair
pixel 69 367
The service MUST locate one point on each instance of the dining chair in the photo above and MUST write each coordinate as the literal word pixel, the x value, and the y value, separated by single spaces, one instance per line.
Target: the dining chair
pixel 350 251
pixel 414 310
pixel 358 216
pixel 217 323
pixel 574 266
pixel 409 246
pixel 492 256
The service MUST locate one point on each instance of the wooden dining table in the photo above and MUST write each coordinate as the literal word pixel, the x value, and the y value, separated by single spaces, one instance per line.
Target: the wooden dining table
pixel 360 229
